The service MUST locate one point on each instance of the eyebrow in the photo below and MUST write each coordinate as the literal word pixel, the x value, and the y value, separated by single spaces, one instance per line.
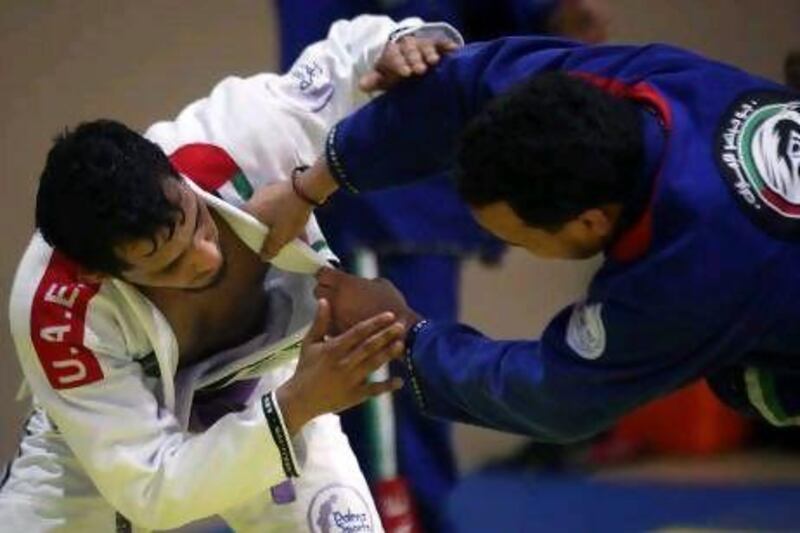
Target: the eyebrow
pixel 196 226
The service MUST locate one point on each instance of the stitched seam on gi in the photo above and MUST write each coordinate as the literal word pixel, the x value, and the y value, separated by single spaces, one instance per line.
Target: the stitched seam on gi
pixel 411 337
pixel 335 163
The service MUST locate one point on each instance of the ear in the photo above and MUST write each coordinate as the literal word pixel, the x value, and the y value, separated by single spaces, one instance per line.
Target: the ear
pixel 600 221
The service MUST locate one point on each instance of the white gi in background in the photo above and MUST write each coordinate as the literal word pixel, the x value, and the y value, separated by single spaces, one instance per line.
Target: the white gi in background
pixel 108 437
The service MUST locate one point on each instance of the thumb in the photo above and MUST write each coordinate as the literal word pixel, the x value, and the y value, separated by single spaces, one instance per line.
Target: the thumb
pixel 371 81
pixel 446 45
pixel 272 245
pixel 321 322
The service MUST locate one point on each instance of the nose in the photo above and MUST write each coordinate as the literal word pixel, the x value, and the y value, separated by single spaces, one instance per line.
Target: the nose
pixel 207 256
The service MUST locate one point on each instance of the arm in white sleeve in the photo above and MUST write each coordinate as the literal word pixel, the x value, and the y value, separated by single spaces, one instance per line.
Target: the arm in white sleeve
pixel 251 132
pixel 322 86
pixel 268 123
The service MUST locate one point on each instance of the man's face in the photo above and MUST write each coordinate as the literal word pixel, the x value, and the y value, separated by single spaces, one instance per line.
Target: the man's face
pixel 188 256
pixel 580 238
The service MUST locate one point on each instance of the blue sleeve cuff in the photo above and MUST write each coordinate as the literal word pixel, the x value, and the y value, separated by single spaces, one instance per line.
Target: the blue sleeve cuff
pixel 335 163
pixel 411 338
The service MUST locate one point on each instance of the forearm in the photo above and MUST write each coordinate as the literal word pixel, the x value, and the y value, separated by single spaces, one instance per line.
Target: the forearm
pixel 459 374
pixel 159 476
pixel 412 131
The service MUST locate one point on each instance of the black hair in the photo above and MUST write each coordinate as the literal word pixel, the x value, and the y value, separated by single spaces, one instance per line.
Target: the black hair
pixel 102 185
pixel 552 147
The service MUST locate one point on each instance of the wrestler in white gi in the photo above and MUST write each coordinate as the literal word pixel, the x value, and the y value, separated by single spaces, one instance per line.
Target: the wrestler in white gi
pixel 114 354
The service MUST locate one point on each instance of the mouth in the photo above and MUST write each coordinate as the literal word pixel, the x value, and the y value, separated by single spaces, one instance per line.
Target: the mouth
pixel 210 281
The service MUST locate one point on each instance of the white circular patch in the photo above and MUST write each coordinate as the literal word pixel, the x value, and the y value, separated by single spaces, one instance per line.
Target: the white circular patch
pixel 586 334
pixel 339 509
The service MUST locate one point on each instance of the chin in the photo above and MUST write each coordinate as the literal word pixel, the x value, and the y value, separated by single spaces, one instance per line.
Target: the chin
pixel 565 254
pixel 211 281
pixel 584 254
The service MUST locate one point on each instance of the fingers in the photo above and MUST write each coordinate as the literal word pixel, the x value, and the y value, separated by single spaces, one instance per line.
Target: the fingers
pixel 409 55
pixel 445 46
pixel 327 279
pixel 373 80
pixel 394 61
pixel 328 276
pixel 272 245
pixel 387 341
pixel 322 291
pixel 321 322
pixel 380 387
pixel 409 47
pixel 347 341
pixel 279 236
pixel 429 53
pixel 381 358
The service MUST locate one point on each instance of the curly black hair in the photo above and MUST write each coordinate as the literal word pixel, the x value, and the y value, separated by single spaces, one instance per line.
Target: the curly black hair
pixel 102 185
pixel 552 147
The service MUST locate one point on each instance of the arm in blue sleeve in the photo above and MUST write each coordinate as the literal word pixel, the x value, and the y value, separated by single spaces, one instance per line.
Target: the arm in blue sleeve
pixel 411 132
pixel 547 389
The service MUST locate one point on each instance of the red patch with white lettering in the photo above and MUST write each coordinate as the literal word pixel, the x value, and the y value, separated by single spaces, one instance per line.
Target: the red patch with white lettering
pixel 57 326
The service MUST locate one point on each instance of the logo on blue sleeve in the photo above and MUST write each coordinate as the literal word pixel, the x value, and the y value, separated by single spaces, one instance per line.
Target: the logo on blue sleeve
pixel 759 154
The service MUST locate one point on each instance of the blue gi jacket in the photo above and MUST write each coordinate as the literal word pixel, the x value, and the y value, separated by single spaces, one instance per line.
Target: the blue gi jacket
pixel 704 282
pixel 441 225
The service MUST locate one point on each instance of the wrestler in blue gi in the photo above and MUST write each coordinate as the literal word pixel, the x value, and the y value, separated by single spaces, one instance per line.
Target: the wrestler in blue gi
pixel 422 234
pixel 698 221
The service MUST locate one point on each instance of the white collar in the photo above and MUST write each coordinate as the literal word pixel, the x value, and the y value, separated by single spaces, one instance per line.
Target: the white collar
pixel 296 256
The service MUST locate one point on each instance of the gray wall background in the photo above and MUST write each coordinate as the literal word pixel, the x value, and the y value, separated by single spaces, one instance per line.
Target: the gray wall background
pixel 66 61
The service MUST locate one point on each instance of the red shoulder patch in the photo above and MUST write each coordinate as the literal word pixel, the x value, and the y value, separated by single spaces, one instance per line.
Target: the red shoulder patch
pixel 207 165
pixel 58 318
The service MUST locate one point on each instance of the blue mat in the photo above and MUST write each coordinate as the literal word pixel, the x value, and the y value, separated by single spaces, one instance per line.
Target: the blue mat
pixel 500 501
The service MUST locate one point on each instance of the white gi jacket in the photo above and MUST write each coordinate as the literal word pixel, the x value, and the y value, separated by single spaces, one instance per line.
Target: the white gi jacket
pixel 80 346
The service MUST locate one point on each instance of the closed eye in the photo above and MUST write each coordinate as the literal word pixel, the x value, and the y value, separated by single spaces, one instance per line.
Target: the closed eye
pixel 173 265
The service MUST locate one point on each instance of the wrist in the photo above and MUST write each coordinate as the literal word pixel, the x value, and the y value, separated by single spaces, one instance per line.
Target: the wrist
pixel 292 408
pixel 317 182
pixel 299 189
pixel 410 318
